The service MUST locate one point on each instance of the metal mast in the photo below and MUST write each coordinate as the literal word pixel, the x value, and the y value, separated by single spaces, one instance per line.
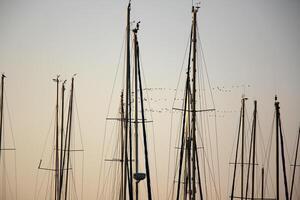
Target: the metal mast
pixel 295 165
pixel 128 107
pixel 279 138
pixel 140 176
pixel 1 112
pixel 68 136
pixel 56 141
pixel 188 160
pixel 136 63
pixel 241 130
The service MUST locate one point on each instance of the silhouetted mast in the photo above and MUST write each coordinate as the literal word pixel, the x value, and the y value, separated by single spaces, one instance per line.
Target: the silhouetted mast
pixel 241 132
pixel 295 165
pixel 56 142
pixel 140 176
pixel 128 107
pixel 1 112
pixel 189 168
pixel 252 155
pixel 279 138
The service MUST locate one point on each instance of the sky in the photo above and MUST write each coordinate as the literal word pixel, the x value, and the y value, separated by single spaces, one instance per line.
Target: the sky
pixel 252 43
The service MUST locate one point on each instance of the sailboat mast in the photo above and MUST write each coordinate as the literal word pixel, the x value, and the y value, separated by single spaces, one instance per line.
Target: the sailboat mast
pixel 279 138
pixel 262 183
pixel 68 137
pixel 56 141
pixel 149 190
pixel 236 152
pixel 1 112
pixel 194 147
pixel 277 147
pixel 61 168
pixel 254 148
pixel 295 165
pixel 128 106
pixel 243 141
pixel 136 112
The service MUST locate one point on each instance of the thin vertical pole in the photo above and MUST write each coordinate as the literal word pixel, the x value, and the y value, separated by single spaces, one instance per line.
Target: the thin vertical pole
pixel 182 140
pixel 254 146
pixel 294 167
pixel 1 112
pixel 149 191
pixel 243 141
pixel 136 114
pixel 128 104
pixel 69 137
pixel 277 148
pixel 194 102
pixel 57 142
pixel 236 156
pixel 61 139
pixel 283 161
pixel 262 183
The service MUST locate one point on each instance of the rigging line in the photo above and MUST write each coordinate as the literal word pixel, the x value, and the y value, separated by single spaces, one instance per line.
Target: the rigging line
pixel 43 179
pixel 107 113
pixel 231 155
pixel 152 124
pixel 268 156
pixel 14 144
pixel 203 125
pixel 107 175
pixel 81 140
pixel 209 169
pixel 38 190
pixel 204 121
pixel 109 169
pixel 6 176
pixel 285 143
pixel 213 102
pixel 169 149
pixel 73 178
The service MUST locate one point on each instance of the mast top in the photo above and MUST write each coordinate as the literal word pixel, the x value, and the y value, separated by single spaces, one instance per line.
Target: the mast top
pixel 135 30
pixel 129 5
pixel 57 78
pixel 3 75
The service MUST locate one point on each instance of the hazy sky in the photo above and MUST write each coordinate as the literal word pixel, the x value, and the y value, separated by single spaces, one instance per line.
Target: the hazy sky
pixel 255 43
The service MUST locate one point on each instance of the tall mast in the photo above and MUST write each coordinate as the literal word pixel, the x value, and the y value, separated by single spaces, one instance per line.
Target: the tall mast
pixel 243 141
pixel 1 112
pixel 295 165
pixel 254 148
pixel 279 138
pixel 56 141
pixel 240 133
pixel 61 170
pixel 68 136
pixel 128 105
pixel 277 148
pixel 188 160
pixel 262 183
pixel 148 179
pixel 194 147
pixel 136 60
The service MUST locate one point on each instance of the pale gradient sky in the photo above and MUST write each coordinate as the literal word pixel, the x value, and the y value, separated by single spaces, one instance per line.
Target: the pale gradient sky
pixel 245 42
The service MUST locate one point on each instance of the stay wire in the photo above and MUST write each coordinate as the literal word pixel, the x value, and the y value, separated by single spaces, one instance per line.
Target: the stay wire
pixel 172 112
pixel 107 113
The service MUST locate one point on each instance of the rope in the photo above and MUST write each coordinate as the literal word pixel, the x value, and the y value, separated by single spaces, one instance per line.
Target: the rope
pixel 107 113
pixel 14 144
pixel 170 138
